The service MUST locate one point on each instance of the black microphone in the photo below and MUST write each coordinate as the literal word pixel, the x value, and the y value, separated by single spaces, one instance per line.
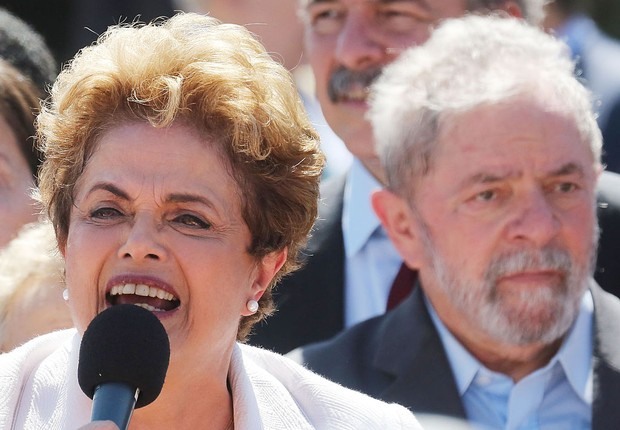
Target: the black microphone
pixel 123 361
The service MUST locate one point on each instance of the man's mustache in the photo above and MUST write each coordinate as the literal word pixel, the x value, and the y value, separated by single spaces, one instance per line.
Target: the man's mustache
pixel 525 260
pixel 345 84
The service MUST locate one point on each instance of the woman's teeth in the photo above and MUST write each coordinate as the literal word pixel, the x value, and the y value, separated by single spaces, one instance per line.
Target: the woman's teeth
pixel 141 290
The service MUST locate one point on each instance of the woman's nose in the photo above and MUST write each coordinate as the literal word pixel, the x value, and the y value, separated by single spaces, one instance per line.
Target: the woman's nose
pixel 143 240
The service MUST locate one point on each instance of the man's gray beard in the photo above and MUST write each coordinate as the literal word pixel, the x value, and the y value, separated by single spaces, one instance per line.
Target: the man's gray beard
pixel 543 314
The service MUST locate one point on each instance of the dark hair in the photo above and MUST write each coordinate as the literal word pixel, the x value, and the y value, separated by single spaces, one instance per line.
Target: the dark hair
pixel 19 103
pixel 26 50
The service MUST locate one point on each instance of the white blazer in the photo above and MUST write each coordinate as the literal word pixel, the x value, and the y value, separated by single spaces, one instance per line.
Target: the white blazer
pixel 39 390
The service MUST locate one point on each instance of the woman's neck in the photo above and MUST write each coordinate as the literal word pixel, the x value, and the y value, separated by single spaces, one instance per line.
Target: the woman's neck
pixel 190 399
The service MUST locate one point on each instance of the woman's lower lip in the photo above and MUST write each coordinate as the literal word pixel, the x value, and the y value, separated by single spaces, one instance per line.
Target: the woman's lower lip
pixel 161 314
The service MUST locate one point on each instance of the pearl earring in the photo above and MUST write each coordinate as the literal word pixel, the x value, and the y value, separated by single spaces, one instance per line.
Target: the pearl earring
pixel 252 305
pixel 65 294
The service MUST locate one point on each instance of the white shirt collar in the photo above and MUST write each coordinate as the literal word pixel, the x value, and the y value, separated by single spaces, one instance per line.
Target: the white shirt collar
pixel 576 360
pixel 358 218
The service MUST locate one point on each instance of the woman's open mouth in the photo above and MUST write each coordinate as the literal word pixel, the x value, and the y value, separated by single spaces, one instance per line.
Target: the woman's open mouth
pixel 151 298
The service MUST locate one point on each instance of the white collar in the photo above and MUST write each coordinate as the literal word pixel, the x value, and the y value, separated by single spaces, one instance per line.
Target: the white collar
pixel 575 358
pixel 358 218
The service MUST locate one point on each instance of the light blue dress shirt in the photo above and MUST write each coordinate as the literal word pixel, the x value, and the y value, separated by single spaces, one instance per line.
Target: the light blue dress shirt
pixel 372 262
pixel 555 397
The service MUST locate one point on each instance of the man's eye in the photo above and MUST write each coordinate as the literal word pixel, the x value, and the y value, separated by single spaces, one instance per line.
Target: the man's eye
pixel 105 213
pixel 404 17
pixel 326 21
pixel 400 22
pixel 192 221
pixel 486 195
pixel 566 187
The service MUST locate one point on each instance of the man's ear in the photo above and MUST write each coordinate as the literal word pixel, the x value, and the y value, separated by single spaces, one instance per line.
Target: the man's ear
pixel 400 225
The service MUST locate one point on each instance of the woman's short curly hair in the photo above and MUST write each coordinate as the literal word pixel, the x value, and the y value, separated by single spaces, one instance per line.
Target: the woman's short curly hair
pixel 214 77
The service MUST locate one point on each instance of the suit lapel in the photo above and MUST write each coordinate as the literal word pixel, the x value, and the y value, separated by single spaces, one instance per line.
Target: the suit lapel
pixel 605 410
pixel 411 351
pixel 325 272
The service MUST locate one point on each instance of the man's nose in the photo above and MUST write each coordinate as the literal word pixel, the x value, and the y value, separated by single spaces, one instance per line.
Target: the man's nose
pixel 358 45
pixel 535 220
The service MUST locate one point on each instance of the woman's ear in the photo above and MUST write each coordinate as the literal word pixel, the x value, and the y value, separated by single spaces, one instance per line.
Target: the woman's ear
pixel 267 268
pixel 400 224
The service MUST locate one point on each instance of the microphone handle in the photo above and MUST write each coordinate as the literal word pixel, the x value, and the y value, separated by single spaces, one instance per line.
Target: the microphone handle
pixel 114 401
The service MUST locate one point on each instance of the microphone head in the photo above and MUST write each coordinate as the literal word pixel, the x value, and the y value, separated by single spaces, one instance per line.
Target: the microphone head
pixel 125 343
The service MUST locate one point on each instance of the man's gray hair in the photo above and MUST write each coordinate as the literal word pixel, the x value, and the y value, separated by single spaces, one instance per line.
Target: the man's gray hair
pixel 467 63
pixel 533 10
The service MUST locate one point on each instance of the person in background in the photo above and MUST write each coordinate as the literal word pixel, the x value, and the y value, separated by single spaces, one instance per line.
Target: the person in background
pixel 353 272
pixel 26 68
pixel 278 26
pixel 26 50
pixel 351 265
pixel 181 175
pixel 19 160
pixel 31 299
pixel 507 327
pixel 598 63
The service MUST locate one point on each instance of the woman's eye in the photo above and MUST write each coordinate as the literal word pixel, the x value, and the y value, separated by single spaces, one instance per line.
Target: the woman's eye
pixel 191 221
pixel 105 213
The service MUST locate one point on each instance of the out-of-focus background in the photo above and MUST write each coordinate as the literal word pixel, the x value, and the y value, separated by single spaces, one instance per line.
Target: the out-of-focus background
pixel 63 22
pixel 68 25
pixel 607 14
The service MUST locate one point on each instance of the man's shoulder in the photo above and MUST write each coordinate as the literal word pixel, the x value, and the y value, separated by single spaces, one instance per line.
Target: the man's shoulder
pixel 350 357
pixel 608 188
pixel 607 317
pixel 607 272
pixel 351 343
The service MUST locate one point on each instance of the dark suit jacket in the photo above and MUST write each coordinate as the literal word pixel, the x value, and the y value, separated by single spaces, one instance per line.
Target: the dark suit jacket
pixel 398 357
pixel 310 302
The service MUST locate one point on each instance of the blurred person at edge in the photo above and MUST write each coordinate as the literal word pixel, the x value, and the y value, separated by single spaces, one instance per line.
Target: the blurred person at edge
pixel 506 326
pixel 351 264
pixel 598 62
pixel 19 99
pixel 279 28
pixel 181 175
pixel 26 69
pixel 24 48
pixel 31 285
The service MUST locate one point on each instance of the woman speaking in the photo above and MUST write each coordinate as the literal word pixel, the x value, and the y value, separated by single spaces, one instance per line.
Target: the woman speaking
pixel 181 175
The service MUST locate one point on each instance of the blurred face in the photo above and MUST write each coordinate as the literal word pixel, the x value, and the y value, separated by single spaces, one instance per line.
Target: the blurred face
pixel 349 41
pixel 275 22
pixel 35 310
pixel 157 222
pixel 504 234
pixel 16 182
